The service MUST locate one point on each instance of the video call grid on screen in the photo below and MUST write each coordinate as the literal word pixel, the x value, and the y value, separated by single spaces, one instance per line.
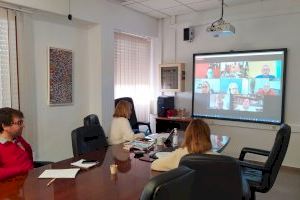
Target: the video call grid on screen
pixel 246 86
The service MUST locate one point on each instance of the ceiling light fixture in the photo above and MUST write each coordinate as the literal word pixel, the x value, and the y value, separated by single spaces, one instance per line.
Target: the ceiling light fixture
pixel 220 27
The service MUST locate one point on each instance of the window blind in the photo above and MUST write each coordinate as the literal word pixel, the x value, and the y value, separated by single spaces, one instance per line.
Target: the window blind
pixel 9 95
pixel 132 62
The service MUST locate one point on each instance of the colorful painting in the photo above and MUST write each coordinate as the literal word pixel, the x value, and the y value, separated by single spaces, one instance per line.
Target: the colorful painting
pixel 60 76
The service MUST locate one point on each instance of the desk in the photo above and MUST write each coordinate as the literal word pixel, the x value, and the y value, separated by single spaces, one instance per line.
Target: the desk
pixel 165 124
pixel 94 183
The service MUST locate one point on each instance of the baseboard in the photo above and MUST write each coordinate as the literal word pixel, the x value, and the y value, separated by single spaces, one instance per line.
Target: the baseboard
pixel 291 168
pixel 295 169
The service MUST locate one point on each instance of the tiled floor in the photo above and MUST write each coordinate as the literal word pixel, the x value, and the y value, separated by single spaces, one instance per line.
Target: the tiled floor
pixel 286 187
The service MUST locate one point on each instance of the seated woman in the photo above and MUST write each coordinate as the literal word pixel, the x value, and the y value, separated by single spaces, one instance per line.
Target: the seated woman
pixel 196 140
pixel 120 130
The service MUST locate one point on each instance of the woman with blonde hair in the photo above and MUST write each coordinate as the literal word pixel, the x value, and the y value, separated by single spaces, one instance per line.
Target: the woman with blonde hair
pixel 121 130
pixel 196 140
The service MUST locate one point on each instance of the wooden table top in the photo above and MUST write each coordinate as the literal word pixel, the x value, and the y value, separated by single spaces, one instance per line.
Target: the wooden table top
pixel 94 183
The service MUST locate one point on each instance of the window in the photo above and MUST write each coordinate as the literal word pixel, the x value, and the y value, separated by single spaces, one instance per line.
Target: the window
pixel 8 60
pixel 132 59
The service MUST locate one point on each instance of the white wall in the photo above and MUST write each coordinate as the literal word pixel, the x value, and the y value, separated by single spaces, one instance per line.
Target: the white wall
pixel 56 6
pixel 90 37
pixel 51 137
pixel 262 25
pixel 111 17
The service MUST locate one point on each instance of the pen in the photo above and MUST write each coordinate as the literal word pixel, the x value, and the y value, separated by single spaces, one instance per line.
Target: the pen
pixel 51 181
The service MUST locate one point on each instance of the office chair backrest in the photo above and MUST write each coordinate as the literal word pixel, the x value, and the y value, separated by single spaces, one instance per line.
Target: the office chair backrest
pixel 216 176
pixel 175 184
pixel 276 156
pixel 87 139
pixel 133 119
pixel 91 120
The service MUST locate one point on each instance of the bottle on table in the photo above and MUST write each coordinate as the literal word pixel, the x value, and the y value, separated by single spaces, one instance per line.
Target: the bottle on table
pixel 175 138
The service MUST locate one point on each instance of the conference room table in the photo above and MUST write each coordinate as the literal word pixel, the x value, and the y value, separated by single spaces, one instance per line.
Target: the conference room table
pixel 93 183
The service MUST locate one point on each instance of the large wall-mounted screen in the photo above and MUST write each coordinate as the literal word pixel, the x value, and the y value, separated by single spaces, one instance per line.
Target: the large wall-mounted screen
pixel 243 85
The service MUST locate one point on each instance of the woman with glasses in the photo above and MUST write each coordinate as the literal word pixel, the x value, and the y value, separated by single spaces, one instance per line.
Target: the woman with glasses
pixel 15 152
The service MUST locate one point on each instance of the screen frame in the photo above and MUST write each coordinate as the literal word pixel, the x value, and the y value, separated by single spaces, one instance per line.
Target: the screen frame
pixel 284 50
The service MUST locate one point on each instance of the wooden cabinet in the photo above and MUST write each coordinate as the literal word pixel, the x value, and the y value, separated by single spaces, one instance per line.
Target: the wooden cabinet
pixel 165 124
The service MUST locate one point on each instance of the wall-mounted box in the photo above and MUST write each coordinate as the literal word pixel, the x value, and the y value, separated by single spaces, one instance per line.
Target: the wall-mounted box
pixel 172 77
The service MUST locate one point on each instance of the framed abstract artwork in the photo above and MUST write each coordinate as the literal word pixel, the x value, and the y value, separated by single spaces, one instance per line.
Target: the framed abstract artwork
pixel 60 86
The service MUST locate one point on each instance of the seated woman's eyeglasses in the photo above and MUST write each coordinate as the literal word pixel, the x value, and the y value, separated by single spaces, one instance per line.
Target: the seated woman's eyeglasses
pixel 19 123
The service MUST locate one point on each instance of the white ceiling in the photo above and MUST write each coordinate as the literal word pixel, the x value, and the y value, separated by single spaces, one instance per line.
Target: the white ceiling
pixel 166 8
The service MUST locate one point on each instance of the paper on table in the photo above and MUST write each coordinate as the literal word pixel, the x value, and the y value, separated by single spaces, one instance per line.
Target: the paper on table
pixel 84 165
pixel 59 173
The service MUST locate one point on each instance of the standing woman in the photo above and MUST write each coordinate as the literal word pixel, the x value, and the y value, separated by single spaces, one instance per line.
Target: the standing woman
pixel 121 130
pixel 196 140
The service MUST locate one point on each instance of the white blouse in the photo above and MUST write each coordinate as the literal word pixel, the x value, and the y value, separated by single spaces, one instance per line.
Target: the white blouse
pixel 172 160
pixel 121 131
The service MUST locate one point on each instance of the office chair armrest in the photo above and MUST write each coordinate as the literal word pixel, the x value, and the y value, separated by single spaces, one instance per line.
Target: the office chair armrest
pixel 253 151
pixel 256 166
pixel 145 124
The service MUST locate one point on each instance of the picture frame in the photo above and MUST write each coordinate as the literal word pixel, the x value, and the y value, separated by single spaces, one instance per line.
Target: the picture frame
pixel 172 77
pixel 60 76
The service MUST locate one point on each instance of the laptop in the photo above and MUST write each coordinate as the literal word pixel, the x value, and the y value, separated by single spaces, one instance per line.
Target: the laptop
pixel 168 144
pixel 169 140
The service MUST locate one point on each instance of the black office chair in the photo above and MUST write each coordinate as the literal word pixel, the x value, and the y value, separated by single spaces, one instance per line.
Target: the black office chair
pixel 216 177
pixel 261 177
pixel 88 138
pixel 37 164
pixel 133 120
pixel 175 184
pixel 91 120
